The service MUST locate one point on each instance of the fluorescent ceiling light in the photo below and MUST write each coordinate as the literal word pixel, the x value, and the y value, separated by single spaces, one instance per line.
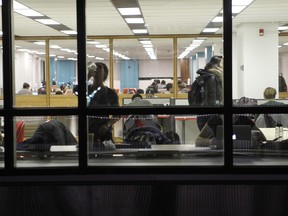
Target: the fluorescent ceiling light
pixel 282 28
pixel 197 41
pixel 106 49
pixel 210 30
pixel 146 42
pixel 99 58
pixel 101 46
pixel 69 32
pixel 149 49
pixel 60 57
pixel 1 32
pixel 55 47
pixel 139 31
pixel 134 20
pixel 218 19
pixel 41 43
pixel 29 13
pixel 285 44
pixel 47 21
pixel 52 55
pixel 18 6
pixel 242 2
pixel 129 11
pixel 237 9
pixel 92 42
pixel 147 45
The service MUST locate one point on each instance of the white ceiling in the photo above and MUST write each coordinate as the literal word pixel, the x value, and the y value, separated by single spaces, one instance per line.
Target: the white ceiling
pixel 161 17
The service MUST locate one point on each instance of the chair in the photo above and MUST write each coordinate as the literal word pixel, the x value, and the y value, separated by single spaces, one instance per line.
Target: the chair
pixel 20 125
pixel 125 91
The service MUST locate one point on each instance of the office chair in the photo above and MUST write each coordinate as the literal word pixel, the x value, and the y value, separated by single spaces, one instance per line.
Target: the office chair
pixel 20 125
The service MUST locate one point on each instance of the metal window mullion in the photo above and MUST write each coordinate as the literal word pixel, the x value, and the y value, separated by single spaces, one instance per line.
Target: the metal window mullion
pixel 227 36
pixel 8 75
pixel 81 48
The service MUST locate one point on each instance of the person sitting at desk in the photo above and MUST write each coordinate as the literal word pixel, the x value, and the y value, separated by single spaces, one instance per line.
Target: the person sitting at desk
pixel 137 100
pixel 25 90
pixel 207 136
pixel 137 121
pixel 270 120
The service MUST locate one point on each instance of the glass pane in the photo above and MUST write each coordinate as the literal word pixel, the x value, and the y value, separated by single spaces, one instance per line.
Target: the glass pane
pixel 199 61
pixel 262 141
pixel 46 141
pixel 151 140
pixel 34 69
pixel 143 66
pixel 255 42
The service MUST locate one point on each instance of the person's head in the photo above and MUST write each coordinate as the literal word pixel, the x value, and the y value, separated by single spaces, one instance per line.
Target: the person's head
pixel 163 82
pixel 43 83
pixel 91 70
pixel 53 82
pixel 270 93
pixel 215 61
pixel 169 87
pixel 181 86
pixel 136 96
pixel 150 92
pixel 26 85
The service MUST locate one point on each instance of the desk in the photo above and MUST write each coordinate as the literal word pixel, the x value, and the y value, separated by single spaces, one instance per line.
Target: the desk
pixel 270 133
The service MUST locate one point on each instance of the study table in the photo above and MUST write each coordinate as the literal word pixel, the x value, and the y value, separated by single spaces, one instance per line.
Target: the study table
pixel 158 155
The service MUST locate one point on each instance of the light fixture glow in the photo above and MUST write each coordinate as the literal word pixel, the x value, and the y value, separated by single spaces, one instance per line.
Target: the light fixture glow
pixel 99 58
pixel 29 13
pixel 129 11
pixel 69 32
pixel 47 21
pixel 60 57
pixel 285 44
pixel 55 47
pixel 210 30
pixel 134 20
pixel 282 28
pixel 218 19
pixel 41 43
pixel 101 46
pixel 147 45
pixel 92 42
pixel 139 31
pixel 18 6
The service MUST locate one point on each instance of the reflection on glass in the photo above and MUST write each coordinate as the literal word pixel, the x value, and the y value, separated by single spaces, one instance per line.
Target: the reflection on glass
pixel 260 139
pixel 155 139
pixel 46 141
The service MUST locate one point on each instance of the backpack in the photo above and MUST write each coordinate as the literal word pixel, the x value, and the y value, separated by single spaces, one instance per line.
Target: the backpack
pixel 196 94
pixel 245 101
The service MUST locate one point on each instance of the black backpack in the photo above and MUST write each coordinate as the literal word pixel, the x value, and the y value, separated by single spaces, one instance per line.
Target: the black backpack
pixel 196 94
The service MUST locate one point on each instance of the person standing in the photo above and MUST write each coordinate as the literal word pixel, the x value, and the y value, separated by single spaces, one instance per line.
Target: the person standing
pixel 101 96
pixel 211 79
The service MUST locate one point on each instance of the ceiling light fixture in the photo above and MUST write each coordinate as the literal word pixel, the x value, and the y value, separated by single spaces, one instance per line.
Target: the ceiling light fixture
pixel 129 11
pixel 47 21
pixel 69 32
pixel 139 31
pixel 210 30
pixel 134 20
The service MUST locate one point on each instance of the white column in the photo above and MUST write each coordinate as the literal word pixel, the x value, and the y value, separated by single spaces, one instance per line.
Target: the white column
pixel 256 59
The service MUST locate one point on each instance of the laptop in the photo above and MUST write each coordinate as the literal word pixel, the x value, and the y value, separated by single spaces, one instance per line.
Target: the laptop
pixel 241 136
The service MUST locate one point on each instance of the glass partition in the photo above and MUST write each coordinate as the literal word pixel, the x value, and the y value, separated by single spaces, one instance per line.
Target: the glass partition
pixel 156 140
pixel 46 141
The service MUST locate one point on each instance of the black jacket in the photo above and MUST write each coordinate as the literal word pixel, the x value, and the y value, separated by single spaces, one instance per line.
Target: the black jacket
pixel 49 133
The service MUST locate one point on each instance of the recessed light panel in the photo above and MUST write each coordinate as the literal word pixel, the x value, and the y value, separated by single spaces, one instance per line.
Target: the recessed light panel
pixel 129 11
pixel 139 31
pixel 47 21
pixel 134 20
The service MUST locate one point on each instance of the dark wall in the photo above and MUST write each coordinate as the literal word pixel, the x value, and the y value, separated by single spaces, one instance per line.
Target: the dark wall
pixel 138 200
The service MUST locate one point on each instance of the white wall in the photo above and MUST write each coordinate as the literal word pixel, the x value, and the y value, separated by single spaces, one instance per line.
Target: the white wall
pixel 257 59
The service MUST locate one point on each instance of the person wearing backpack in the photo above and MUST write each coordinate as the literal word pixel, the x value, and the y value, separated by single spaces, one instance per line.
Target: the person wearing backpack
pixel 207 89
